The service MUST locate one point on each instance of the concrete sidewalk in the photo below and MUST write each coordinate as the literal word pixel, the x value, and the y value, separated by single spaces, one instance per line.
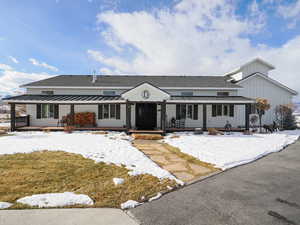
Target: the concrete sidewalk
pixel 102 216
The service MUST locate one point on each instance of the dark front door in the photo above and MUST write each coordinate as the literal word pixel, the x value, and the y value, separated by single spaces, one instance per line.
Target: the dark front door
pixel 145 116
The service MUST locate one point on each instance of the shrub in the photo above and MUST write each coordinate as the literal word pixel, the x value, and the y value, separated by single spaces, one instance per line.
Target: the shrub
pixel 285 117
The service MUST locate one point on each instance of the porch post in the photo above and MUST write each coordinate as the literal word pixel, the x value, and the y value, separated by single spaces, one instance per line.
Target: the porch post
pixel 247 114
pixel 163 116
pixel 128 115
pixel 72 114
pixel 204 117
pixel 12 116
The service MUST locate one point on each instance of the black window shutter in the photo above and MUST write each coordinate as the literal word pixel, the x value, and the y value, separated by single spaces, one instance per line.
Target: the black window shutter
pixel 214 110
pixel 38 111
pixel 195 112
pixel 100 111
pixel 231 111
pixel 177 112
pixel 183 108
pixel 118 113
pixel 56 111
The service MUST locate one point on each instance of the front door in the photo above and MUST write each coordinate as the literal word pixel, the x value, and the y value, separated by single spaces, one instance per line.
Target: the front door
pixel 146 114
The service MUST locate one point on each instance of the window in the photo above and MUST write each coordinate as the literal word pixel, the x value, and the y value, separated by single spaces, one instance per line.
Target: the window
pixel 184 111
pixel 223 93
pixel 222 110
pixel 109 111
pixel 109 93
pixel 45 111
pixel 187 93
pixel 47 92
pixel 253 109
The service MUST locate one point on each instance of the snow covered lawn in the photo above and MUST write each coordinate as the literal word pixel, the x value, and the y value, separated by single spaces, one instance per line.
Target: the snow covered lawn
pixel 231 150
pixel 111 148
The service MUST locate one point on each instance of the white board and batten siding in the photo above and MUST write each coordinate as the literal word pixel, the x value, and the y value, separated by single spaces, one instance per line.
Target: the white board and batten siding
pixel 65 109
pixel 258 87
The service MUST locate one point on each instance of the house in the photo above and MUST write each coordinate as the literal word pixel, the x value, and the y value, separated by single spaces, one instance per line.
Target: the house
pixel 163 103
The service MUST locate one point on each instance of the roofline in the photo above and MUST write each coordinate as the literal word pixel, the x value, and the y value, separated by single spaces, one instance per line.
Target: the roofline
pixel 211 101
pixel 269 79
pixel 145 83
pixel 130 87
pixel 260 60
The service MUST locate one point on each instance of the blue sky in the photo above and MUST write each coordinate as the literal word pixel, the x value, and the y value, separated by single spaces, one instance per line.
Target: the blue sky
pixel 39 39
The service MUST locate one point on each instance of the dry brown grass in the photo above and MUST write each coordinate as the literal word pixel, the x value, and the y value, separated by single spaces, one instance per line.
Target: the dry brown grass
pixel 147 136
pixel 190 158
pixel 100 132
pixel 49 172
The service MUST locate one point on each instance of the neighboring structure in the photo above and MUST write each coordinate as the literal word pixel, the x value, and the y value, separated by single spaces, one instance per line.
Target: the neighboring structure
pixel 155 102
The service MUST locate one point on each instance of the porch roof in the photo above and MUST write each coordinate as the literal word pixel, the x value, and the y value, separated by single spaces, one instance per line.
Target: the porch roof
pixel 211 99
pixel 64 99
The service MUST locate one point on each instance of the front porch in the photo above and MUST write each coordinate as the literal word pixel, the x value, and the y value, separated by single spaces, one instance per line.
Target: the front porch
pixel 178 113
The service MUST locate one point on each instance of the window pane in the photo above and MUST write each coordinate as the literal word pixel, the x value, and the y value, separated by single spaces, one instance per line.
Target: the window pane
pixel 225 110
pixel 118 113
pixel 219 110
pixel 105 111
pixel 214 110
pixel 183 111
pixel 223 93
pixel 110 93
pixel 112 111
pixel 231 112
pixel 51 111
pixel 45 110
pixel 187 93
pixel 190 111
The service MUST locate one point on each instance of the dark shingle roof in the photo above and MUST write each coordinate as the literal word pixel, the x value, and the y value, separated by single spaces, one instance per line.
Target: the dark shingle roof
pixel 132 81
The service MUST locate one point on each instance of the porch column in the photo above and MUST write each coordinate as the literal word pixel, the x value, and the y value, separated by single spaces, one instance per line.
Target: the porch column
pixel 163 115
pixel 204 117
pixel 12 116
pixel 247 116
pixel 72 114
pixel 128 115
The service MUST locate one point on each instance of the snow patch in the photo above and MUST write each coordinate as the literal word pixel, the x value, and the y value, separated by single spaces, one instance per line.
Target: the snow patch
pixel 155 197
pixel 56 200
pixel 5 205
pixel 118 181
pixel 232 150
pixel 130 204
pixel 114 147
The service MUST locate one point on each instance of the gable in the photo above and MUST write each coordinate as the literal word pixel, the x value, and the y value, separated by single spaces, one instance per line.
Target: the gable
pixel 145 92
pixel 268 80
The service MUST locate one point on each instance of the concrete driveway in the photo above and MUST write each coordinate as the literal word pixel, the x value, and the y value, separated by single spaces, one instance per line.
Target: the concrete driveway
pixel 264 192
pixel 65 217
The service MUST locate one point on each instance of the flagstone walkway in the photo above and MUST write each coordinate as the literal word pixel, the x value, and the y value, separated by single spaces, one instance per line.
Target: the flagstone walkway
pixel 172 162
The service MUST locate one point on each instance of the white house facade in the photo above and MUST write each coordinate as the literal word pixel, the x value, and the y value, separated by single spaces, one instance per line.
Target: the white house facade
pixel 165 103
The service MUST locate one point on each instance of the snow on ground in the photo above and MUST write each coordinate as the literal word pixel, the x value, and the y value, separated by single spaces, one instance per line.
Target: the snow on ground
pixel 232 150
pixel 4 124
pixel 130 204
pixel 118 181
pixel 111 148
pixel 155 197
pixel 56 200
pixel 5 205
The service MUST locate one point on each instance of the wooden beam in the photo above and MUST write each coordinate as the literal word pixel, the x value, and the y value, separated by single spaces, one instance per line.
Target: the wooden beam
pixel 12 117
pixel 163 116
pixel 72 113
pixel 204 114
pixel 247 116
pixel 128 115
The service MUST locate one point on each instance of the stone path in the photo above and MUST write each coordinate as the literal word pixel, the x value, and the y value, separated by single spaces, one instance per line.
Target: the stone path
pixel 168 160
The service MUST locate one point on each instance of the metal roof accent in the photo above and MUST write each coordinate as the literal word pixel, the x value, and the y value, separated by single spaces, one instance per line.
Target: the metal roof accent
pixel 211 99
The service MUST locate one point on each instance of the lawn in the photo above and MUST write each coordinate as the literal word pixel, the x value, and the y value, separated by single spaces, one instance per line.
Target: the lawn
pixel 25 174
pixel 227 151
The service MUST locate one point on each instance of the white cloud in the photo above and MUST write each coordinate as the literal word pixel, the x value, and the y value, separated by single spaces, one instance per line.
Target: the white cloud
pixel 290 11
pixel 43 64
pixel 204 37
pixel 10 79
pixel 13 59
